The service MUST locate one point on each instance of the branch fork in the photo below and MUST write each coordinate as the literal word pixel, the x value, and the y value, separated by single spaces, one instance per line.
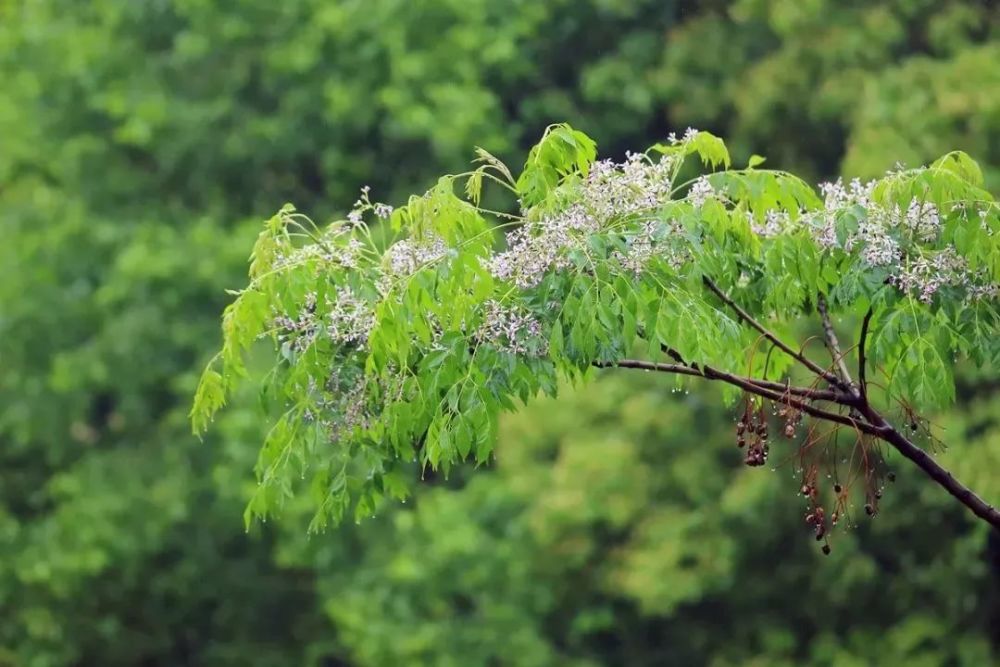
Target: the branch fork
pixel 843 392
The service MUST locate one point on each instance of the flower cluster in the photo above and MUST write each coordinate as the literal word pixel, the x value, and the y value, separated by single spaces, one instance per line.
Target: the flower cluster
pixel 641 249
pixel 925 275
pixel 689 134
pixel 611 191
pixel 364 203
pixel 700 192
pixel 837 197
pixel 511 329
pixel 921 219
pixel 775 222
pixel 337 247
pixel 897 238
pixel 619 189
pixel 350 319
pixel 405 257
pixel 301 331
pixel 342 406
pixel 538 247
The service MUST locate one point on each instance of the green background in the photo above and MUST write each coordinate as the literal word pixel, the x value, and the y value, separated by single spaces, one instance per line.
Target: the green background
pixel 141 145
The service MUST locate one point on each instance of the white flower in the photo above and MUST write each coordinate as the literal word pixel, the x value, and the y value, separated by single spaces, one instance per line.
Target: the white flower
pixel 407 256
pixel 510 329
pixel 700 192
pixel 349 319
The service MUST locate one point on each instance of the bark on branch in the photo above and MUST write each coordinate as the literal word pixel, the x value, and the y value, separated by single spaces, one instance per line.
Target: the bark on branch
pixel 831 341
pixel 798 398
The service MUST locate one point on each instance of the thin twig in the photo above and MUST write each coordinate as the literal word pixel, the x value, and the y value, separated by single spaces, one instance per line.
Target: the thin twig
pixel 831 340
pixel 832 378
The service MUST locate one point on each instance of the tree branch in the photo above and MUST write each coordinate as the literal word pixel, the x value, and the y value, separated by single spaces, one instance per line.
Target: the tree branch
pixel 749 385
pixel 832 342
pixel 833 396
pixel 874 423
pixel 862 341
pixel 832 378
pixel 932 468
pixel 863 417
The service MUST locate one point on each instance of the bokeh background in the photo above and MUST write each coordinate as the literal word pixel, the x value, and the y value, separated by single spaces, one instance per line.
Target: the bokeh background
pixel 142 142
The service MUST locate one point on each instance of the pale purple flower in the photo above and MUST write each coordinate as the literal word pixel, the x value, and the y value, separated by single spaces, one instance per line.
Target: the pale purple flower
pixel 511 329
pixel 405 257
pixel 701 191
pixel 349 318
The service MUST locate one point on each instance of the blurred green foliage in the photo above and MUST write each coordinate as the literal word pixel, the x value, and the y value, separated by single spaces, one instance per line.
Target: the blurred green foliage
pixel 141 142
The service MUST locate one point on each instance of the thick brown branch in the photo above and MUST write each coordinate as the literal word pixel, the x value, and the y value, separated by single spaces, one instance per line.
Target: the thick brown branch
pixel 680 369
pixel 832 378
pixel 933 469
pixel 874 423
pixel 749 385
pixel 833 396
pixel 831 340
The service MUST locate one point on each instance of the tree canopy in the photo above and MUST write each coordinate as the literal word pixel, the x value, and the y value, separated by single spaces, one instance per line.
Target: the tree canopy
pixel 410 349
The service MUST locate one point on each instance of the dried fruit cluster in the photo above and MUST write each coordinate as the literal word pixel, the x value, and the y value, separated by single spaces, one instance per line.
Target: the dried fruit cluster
pixel 751 433
pixel 818 450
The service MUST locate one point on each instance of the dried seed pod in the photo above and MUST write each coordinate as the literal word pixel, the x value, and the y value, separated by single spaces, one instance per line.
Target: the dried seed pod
pixel 826 549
